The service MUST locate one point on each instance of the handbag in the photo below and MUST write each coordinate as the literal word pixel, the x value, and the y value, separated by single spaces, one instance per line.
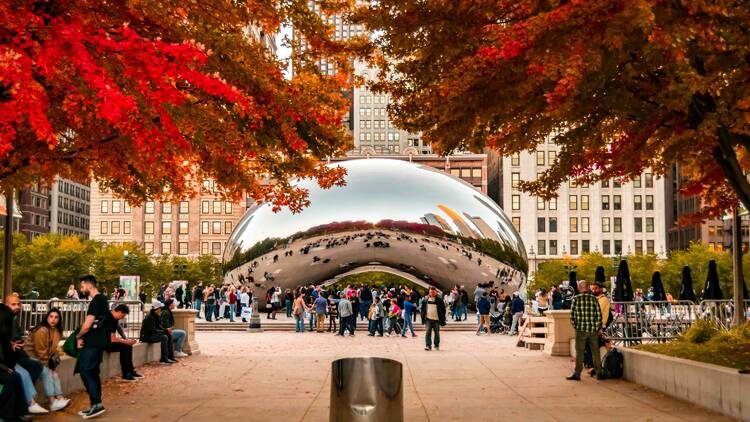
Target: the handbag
pixel 54 357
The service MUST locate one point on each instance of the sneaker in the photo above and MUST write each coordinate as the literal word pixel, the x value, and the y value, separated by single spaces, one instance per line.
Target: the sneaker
pixel 166 362
pixel 95 411
pixel 180 354
pixel 413 335
pixel 172 360
pixel 59 404
pixel 84 411
pixel 437 348
pixel 428 348
pixel 129 378
pixel 574 377
pixel 137 375
pixel 36 409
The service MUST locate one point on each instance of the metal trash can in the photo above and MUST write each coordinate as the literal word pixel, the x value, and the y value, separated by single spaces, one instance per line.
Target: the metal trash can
pixel 366 389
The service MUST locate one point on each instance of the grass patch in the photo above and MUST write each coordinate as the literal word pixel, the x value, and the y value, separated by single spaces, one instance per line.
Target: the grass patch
pixel 705 342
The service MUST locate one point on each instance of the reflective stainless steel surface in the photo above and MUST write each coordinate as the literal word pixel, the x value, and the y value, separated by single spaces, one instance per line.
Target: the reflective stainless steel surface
pixel 391 213
pixel 366 389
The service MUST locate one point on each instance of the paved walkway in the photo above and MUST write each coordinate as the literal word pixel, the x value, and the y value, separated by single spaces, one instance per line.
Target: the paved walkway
pixel 286 377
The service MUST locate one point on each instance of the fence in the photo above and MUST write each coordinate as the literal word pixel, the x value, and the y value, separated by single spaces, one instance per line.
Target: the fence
pixel 73 313
pixel 648 322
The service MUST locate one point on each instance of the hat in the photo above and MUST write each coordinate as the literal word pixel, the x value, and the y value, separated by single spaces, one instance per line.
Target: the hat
pixel 155 304
pixel 599 283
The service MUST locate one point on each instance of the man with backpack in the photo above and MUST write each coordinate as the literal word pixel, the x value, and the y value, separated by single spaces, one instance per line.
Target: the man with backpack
pixel 586 316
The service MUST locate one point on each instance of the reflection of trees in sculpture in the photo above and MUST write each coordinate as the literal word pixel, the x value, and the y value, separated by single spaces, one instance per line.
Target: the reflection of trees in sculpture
pixel 259 249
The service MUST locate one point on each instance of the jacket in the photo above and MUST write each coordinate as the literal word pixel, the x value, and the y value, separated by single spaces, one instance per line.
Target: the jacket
pixel 151 325
pixel 167 319
pixel 7 357
pixel 440 308
pixel 41 343
pixel 517 305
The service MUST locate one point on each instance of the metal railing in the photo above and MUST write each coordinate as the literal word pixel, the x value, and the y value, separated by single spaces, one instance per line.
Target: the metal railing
pixel 73 313
pixel 720 311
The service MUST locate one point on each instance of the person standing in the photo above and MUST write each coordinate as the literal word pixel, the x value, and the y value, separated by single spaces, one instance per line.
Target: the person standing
pixel 244 301
pixel 516 308
pixel 321 306
pixel 394 313
pixel 409 310
pixel 587 320
pixel 92 340
pixel 365 300
pixel 288 299
pixel 276 302
pixel 232 297
pixel 345 314
pixel 377 315
pixel 210 300
pixel 464 304
pixel 333 314
pixel 483 310
pixel 197 299
pixel 300 307
pixel 433 315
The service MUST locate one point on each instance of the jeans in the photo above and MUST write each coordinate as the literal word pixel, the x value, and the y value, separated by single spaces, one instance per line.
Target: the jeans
pixel 332 326
pixel 13 403
pixel 299 323
pixel 312 321
pixel 407 323
pixel 377 325
pixel 363 308
pixel 28 385
pixel 346 324
pixel 288 307
pixel 514 325
pixel 432 326
pixel 231 313
pixel 463 310
pixel 197 306
pixel 126 357
pixel 209 311
pixel 321 322
pixel 592 339
pixel 88 367
pixel 165 341
pixel 52 385
pixel 178 336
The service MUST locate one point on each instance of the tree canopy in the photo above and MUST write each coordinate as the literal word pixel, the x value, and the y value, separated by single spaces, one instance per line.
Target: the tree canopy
pixel 618 85
pixel 150 97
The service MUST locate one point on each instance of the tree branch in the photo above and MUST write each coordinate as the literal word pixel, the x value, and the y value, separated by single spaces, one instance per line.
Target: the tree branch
pixel 730 166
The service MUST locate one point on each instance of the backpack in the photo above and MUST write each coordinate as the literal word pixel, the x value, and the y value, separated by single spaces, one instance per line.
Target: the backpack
pixel 610 319
pixel 70 347
pixel 612 364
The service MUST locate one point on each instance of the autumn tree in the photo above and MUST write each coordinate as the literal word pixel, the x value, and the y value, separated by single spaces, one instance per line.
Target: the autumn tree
pixel 618 85
pixel 150 96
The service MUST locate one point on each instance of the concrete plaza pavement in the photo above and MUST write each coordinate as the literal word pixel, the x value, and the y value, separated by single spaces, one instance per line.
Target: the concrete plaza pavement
pixel 280 376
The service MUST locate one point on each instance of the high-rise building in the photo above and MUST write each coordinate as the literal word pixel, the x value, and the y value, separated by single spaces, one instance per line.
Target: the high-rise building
pixel 192 227
pixel 34 203
pixel 69 208
pixel 611 217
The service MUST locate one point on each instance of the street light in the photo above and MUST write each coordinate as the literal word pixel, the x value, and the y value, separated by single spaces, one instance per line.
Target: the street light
pixel 532 254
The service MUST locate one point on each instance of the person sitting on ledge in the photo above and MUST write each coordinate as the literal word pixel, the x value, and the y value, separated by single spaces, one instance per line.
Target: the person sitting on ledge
pixel 42 345
pixel 13 406
pixel 121 343
pixel 175 335
pixel 153 332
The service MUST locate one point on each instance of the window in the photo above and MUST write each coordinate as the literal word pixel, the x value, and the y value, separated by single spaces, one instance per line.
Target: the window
pixel 515 159
pixel 541 247
pixel 516 202
pixel 553 224
pixel 540 158
pixel 148 227
pixel 616 202
pixel 605 183
pixel 617 222
pixel 166 227
pixel 217 207
pixel 227 208
pixel 182 228
pixel 573 202
pixel 204 248
pixel 116 206
pixel 584 224
pixel 541 224
pixel 574 247
pixel 649 224
pixel 605 202
pixel 182 248
pixel 584 202
pixel 104 227
pixel 637 182
pixel 539 203
pixel 572 184
pixel 649 180
pixel 514 179
pixel 606 249
pixel 553 204
pixel 148 207
pixel 227 227
pixel 638 247
pixel 616 183
pixel 216 248
pixel 553 247
pixel 115 227
pixel 216 227
pixel 649 202
pixel 618 247
pixel 551 155
pixel 105 207
pixel 637 202
pixel 166 248
pixel 205 227
pixel 638 224
pixel 205 207
pixel 585 246
pixel 476 173
pixel 605 224
pixel 650 246
pixel 166 208
pixel 126 207
pixel 516 223
pixel 573 224
pixel 184 207
pixel 126 227
pixel 148 247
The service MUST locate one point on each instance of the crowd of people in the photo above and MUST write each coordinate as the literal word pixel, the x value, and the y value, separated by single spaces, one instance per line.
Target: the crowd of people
pixel 26 358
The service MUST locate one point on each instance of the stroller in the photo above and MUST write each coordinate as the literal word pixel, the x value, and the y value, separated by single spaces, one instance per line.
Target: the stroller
pixel 496 323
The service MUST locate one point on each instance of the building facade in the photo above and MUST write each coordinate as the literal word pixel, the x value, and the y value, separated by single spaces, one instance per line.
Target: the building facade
pixel 192 227
pixel 69 208
pixel 612 217
pixel 34 203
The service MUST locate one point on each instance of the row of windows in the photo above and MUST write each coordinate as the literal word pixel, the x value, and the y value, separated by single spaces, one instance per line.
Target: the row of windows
pixel 551 156
pixel 73 190
pixel 549 247
pixel 379 136
pixel 373 99
pixel 117 206
pixel 583 224
pixel 183 227
pixel 165 248
pixel 374 124
pixel 114 227
pixel 73 205
pixel 367 113
pixel 73 220
pixel 465 173
pixel 576 202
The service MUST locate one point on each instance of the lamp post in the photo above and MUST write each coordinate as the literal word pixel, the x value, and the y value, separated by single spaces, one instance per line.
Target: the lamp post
pixel 532 254
pixel 254 325
pixel 8 252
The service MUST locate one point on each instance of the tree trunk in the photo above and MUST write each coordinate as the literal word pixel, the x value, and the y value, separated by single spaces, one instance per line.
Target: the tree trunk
pixel 8 252
pixel 726 157
pixel 739 309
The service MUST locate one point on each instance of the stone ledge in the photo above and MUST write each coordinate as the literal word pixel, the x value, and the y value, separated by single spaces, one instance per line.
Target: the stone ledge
pixel 714 387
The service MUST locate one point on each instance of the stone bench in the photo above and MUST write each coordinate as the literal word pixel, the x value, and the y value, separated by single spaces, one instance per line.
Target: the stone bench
pixel 143 353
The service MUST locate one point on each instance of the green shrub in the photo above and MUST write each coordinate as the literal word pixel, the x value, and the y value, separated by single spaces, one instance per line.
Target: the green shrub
pixel 700 332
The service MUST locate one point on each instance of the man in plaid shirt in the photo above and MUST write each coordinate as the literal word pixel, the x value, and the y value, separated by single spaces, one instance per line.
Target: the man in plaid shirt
pixel 587 320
